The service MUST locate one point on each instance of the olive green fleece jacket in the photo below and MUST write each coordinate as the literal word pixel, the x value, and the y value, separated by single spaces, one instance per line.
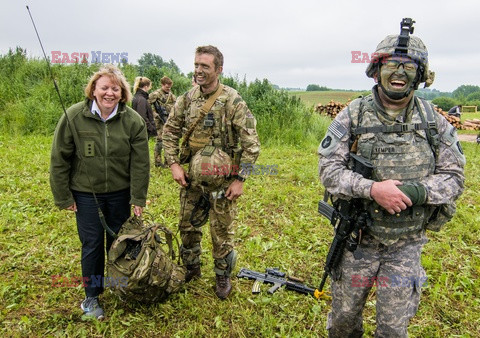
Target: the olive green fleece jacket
pixel 110 156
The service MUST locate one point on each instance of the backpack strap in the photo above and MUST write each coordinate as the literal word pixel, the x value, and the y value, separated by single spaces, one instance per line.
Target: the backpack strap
pixel 428 116
pixel 355 122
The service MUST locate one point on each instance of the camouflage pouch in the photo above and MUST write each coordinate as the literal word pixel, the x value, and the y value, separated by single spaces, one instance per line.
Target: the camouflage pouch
pixel 441 215
pixel 137 258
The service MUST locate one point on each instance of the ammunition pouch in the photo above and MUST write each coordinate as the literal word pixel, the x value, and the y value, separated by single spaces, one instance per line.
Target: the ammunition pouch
pixel 392 227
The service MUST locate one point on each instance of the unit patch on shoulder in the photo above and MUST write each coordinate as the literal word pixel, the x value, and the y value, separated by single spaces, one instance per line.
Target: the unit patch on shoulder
pixel 326 142
pixel 337 129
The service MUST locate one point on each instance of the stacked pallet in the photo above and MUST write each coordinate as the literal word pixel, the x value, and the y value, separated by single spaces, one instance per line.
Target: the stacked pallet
pixel 330 109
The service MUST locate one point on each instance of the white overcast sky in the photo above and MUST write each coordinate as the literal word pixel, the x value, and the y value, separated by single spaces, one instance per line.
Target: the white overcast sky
pixel 291 43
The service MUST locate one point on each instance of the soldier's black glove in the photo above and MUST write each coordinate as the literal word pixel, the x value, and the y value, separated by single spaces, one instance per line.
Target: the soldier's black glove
pixel 415 191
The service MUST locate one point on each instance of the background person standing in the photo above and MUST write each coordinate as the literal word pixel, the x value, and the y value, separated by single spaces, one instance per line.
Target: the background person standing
pixel 163 101
pixel 140 104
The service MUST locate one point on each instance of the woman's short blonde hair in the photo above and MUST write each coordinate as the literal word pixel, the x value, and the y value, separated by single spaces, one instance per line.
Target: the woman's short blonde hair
pixel 116 76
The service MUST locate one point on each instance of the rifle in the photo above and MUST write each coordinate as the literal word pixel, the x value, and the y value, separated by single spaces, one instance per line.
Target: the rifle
pixel 349 221
pixel 278 279
pixel 161 111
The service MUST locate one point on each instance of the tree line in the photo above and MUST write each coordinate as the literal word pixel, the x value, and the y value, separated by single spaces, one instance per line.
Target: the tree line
pixel 29 103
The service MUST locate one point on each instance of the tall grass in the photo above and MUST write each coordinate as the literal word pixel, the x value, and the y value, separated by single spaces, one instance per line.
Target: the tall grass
pixel 30 105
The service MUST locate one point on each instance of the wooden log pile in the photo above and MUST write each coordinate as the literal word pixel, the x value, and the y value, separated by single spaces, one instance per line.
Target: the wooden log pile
pixel 330 109
pixel 453 120
pixel 473 124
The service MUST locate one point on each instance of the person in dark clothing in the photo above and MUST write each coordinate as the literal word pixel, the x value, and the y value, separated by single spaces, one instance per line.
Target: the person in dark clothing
pixel 100 161
pixel 455 111
pixel 140 104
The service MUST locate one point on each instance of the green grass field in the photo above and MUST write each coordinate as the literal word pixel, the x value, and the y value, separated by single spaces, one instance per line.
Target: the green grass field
pixel 314 98
pixel 277 226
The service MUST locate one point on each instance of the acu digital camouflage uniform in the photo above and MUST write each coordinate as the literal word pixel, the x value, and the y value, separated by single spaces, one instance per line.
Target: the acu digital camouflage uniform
pixel 229 113
pixel 391 247
pixel 166 100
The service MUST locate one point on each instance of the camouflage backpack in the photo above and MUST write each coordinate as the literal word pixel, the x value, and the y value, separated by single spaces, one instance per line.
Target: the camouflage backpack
pixel 137 258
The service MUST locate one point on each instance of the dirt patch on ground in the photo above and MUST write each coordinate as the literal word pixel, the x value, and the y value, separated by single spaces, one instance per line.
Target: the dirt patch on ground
pixel 467 137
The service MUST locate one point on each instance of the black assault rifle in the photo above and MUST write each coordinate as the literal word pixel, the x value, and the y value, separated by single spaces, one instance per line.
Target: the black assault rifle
pixel 348 219
pixel 278 279
pixel 161 111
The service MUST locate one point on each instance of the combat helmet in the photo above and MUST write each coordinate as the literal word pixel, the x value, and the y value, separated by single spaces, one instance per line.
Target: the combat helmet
pixel 403 45
pixel 210 167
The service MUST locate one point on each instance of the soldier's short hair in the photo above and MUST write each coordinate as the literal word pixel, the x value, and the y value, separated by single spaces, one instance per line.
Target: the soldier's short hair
pixel 217 55
pixel 166 80
pixel 116 76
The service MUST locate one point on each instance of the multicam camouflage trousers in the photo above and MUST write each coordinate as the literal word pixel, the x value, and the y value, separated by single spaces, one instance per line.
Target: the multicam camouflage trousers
pixel 397 273
pixel 221 216
pixel 158 144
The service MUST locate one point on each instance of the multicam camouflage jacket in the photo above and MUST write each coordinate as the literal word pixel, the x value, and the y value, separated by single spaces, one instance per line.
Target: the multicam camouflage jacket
pixel 229 112
pixel 167 100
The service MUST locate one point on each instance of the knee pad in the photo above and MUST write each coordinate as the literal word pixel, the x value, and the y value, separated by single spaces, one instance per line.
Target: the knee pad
pixel 224 266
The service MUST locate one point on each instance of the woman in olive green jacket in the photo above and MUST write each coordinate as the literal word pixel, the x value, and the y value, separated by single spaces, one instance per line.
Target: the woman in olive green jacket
pixel 100 149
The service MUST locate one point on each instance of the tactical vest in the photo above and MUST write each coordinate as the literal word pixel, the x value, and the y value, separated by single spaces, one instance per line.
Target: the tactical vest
pixel 399 151
pixel 213 130
pixel 212 144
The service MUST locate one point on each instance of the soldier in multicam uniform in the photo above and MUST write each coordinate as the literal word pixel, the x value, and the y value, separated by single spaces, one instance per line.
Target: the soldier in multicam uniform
pixel 418 172
pixel 162 99
pixel 222 135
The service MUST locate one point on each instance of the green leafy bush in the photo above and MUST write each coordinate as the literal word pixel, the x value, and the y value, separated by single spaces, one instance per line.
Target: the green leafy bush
pixel 445 102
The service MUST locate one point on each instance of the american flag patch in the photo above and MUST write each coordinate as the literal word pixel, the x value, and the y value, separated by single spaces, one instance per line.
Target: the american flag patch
pixel 337 129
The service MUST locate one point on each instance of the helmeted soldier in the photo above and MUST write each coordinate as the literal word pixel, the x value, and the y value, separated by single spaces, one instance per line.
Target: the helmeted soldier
pixel 162 100
pixel 418 174
pixel 219 136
